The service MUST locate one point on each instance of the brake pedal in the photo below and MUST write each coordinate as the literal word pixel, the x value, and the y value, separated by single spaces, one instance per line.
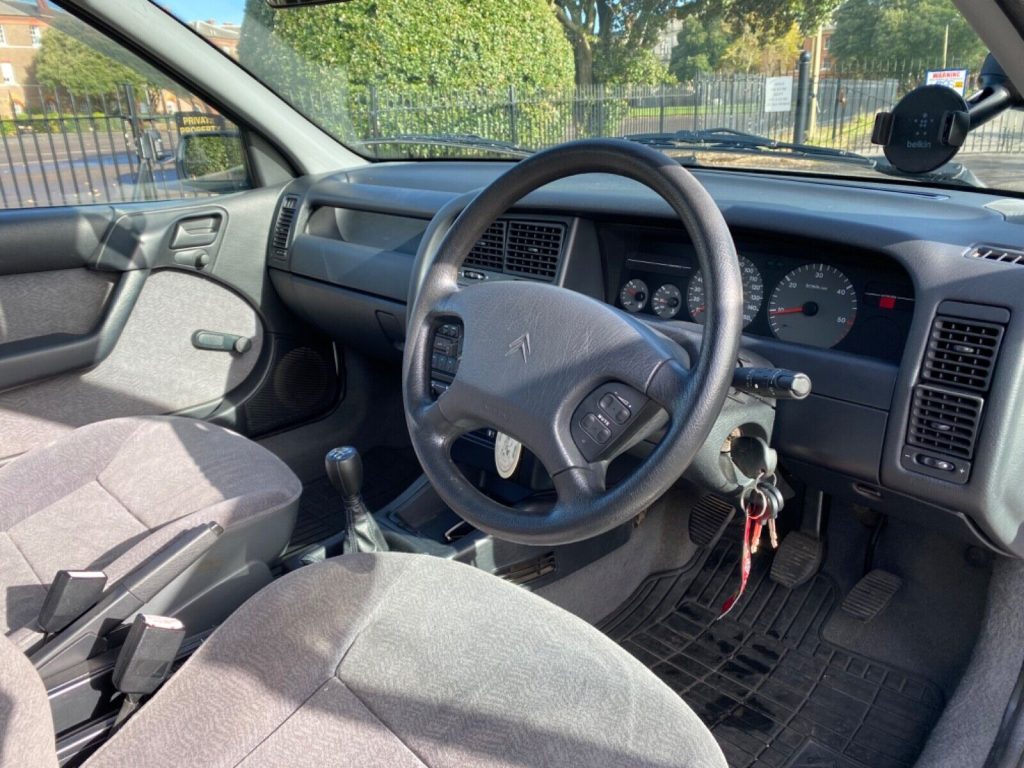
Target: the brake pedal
pixel 798 559
pixel 871 594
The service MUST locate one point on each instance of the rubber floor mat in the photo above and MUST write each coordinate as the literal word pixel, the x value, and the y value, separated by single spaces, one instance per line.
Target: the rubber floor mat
pixel 387 472
pixel 771 690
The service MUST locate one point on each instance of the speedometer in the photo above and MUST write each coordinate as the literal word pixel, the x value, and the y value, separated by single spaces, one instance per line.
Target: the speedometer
pixel 753 294
pixel 814 304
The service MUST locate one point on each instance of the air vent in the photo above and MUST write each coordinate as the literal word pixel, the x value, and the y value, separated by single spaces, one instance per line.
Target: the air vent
pixel 283 227
pixel 489 251
pixel 962 353
pixel 996 253
pixel 944 421
pixel 534 249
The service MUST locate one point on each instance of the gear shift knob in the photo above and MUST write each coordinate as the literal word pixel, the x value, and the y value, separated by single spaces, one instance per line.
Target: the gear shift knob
pixel 345 471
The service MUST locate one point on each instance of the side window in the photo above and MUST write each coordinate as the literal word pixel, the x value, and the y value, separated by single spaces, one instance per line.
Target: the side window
pixel 85 121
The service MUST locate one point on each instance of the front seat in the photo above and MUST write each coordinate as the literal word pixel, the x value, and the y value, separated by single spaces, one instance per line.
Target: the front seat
pixel 393 660
pixel 110 494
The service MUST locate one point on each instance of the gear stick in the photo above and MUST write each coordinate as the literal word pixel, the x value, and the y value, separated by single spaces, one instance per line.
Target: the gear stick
pixel 345 471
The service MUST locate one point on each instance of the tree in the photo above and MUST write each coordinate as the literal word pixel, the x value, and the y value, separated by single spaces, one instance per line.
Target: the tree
pixel 700 46
pixel 607 36
pixel 335 60
pixel 83 69
pixel 870 33
pixel 711 44
pixel 752 52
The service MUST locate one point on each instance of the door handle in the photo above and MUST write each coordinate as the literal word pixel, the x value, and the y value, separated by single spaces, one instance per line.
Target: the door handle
pixel 221 342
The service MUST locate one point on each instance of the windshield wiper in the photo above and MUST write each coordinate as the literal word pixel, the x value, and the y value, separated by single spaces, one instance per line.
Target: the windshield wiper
pixel 457 140
pixel 728 140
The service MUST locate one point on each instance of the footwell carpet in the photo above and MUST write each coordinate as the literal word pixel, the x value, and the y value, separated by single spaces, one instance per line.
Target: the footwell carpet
pixel 771 690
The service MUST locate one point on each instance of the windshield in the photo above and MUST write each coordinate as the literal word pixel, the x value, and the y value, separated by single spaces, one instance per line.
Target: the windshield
pixel 758 84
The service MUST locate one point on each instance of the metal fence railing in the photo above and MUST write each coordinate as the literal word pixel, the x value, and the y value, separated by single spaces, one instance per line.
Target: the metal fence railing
pixel 67 149
pixel 74 150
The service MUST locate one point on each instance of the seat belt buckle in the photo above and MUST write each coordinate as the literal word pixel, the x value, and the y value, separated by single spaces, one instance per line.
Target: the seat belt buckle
pixel 145 660
pixel 148 653
pixel 71 594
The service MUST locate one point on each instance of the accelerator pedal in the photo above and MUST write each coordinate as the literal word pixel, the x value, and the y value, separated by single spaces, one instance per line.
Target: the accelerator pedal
pixel 798 559
pixel 871 594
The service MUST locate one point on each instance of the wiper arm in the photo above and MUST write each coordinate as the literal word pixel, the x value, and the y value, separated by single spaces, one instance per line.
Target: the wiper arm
pixel 728 140
pixel 458 140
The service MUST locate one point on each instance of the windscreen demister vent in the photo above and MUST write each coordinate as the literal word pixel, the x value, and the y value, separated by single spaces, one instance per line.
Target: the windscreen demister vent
pixel 962 353
pixel 996 253
pixel 534 249
pixel 944 421
pixel 283 227
pixel 489 251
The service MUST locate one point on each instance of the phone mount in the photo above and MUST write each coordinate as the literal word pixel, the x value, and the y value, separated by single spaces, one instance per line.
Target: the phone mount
pixel 929 125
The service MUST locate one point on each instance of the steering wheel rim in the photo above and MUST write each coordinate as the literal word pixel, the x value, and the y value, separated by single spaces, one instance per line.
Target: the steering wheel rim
pixel 541 395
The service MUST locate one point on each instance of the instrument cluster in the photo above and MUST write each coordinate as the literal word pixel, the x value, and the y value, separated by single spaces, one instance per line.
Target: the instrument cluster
pixel 860 303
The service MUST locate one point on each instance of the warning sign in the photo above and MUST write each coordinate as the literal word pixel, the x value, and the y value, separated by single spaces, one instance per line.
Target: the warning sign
pixel 778 94
pixel 951 78
pixel 198 122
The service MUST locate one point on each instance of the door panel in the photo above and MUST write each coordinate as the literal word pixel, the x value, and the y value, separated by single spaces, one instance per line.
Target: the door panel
pixel 41 303
pixel 153 367
pixel 114 336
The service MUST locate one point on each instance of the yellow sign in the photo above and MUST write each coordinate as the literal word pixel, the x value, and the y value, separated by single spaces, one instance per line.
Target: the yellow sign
pixel 198 122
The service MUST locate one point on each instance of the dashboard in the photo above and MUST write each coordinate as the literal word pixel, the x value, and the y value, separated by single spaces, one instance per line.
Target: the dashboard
pixel 904 305
pixel 796 291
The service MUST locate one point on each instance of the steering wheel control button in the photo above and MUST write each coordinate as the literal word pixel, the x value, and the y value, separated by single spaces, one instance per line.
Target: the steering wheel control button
pixel 596 429
pixel 616 409
pixel 444 358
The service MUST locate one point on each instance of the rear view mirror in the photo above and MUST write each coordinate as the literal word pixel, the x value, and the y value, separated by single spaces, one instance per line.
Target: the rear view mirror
pixel 212 161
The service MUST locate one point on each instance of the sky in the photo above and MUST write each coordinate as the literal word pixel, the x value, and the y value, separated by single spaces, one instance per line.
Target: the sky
pixel 202 10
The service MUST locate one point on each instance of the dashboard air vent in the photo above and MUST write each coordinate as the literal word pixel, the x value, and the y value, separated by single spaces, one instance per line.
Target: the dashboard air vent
pixel 534 249
pixel 962 353
pixel 283 227
pixel 489 251
pixel 944 421
pixel 996 253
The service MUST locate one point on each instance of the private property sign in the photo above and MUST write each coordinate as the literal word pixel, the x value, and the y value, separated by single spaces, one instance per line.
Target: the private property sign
pixel 951 78
pixel 778 94
pixel 199 122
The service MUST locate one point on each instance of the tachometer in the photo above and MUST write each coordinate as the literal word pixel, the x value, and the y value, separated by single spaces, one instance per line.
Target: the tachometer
pixel 753 294
pixel 814 304
pixel 633 295
pixel 666 301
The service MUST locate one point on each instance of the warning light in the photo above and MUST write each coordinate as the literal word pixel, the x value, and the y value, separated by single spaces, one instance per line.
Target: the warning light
pixel 887 302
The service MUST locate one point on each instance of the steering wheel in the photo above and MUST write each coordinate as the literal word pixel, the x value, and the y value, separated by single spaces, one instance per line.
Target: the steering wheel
pixel 571 378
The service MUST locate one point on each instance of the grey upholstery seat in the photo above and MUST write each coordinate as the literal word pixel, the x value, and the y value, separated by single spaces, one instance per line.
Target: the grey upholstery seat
pixel 408 660
pixel 110 494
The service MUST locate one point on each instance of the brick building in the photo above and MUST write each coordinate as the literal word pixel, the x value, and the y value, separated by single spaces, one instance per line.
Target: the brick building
pixel 224 35
pixel 22 26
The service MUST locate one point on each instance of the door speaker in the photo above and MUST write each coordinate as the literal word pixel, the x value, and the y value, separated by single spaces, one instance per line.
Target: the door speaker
pixel 303 384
